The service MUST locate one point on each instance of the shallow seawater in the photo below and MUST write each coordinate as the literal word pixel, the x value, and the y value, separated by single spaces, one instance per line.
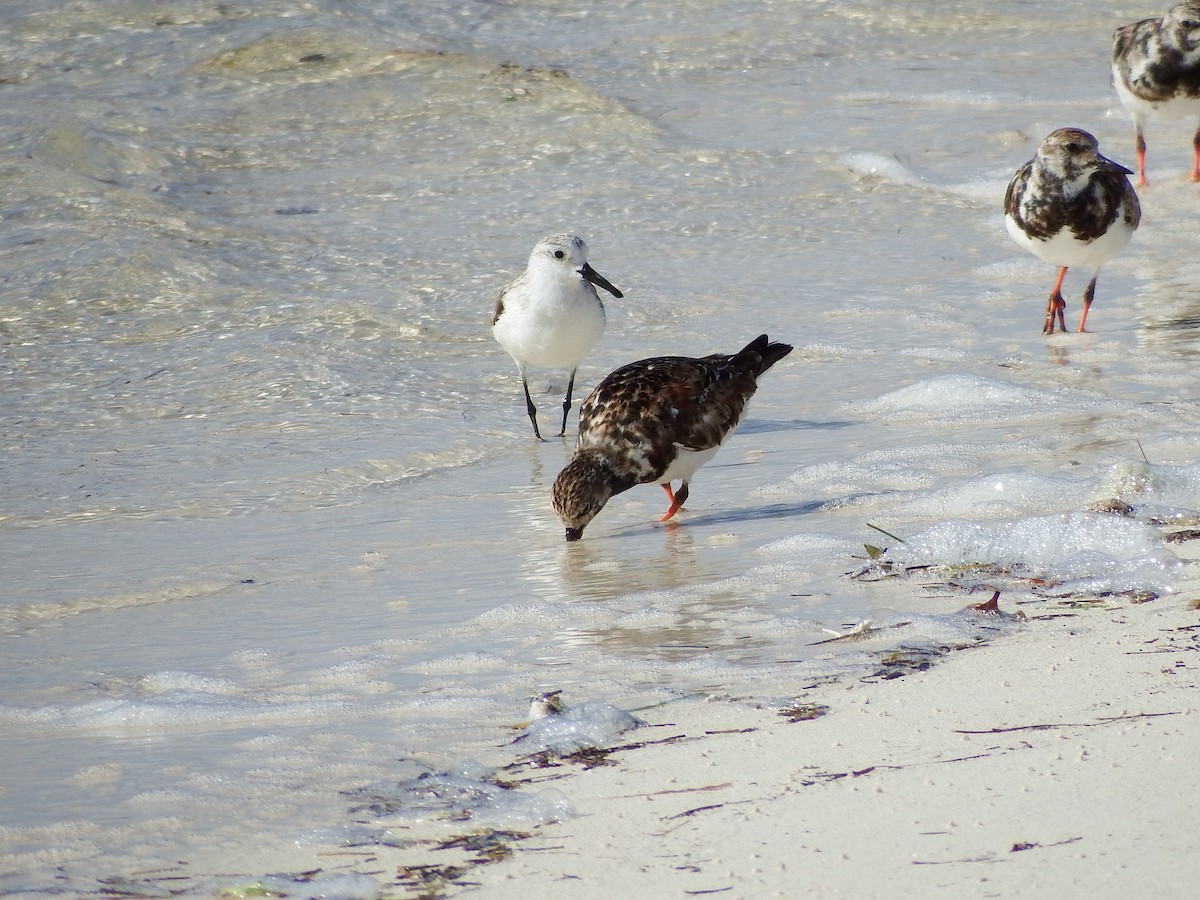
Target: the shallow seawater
pixel 274 525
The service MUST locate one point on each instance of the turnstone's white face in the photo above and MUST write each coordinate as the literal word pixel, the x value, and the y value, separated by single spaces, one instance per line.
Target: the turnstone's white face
pixel 1071 206
pixel 1182 27
pixel 1072 155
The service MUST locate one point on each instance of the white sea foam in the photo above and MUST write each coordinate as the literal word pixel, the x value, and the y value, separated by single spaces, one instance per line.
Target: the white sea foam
pixel 996 495
pixel 466 793
pixel 887 168
pixel 1172 491
pixel 825 546
pixel 949 399
pixel 893 171
pixel 1092 552
pixel 174 709
pixel 592 723
pixel 462 662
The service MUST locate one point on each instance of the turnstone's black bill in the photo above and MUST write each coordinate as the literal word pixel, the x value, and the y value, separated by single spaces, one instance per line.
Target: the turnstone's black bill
pixel 656 421
pixel 1070 206
pixel 551 314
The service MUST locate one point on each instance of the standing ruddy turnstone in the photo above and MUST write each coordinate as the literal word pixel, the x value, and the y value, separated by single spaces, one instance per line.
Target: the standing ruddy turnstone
pixel 655 421
pixel 1156 71
pixel 1070 206
pixel 551 314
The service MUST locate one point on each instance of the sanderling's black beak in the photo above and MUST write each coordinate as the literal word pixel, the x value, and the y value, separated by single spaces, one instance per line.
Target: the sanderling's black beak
pixel 590 274
pixel 574 534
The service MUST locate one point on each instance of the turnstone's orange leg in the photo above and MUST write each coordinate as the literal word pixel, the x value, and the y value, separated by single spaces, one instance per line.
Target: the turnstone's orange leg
pixel 1087 303
pixel 1141 155
pixel 1056 305
pixel 676 500
pixel 666 486
pixel 1196 156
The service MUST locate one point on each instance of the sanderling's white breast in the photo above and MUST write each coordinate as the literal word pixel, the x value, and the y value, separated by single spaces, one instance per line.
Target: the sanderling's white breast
pixel 551 314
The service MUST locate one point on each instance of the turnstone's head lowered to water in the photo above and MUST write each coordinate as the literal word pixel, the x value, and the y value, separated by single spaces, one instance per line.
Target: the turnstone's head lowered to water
pixel 551 314
pixel 1070 206
pixel 656 421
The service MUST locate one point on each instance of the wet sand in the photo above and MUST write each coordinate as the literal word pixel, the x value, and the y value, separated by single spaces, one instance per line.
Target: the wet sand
pixel 1056 760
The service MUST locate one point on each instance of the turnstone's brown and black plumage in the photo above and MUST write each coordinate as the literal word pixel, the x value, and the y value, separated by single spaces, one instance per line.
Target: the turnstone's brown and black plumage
pixel 1156 72
pixel 1070 206
pixel 551 314
pixel 656 421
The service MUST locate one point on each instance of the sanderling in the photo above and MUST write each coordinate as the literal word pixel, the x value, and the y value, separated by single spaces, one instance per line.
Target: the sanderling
pixel 1070 206
pixel 655 421
pixel 1156 72
pixel 551 315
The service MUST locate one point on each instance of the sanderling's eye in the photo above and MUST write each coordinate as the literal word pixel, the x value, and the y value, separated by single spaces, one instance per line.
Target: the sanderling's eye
pixel 558 254
pixel 1073 147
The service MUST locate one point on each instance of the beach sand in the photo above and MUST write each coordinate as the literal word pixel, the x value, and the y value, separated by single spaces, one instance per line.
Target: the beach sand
pixel 1060 761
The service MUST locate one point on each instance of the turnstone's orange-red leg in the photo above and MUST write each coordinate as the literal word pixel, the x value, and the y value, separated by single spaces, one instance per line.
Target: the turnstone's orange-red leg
pixel 1141 156
pixel 1196 156
pixel 1087 303
pixel 666 486
pixel 676 501
pixel 1056 305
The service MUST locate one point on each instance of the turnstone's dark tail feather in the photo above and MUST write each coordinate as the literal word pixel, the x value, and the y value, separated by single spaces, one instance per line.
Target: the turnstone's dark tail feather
pixel 767 351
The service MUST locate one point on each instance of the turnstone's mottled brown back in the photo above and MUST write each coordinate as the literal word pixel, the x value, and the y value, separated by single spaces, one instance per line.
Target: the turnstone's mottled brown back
pixel 656 420
pixel 643 411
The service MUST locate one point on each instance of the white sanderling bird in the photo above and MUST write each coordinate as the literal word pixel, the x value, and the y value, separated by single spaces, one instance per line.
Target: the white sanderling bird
pixel 1072 207
pixel 551 314
pixel 655 421
pixel 1156 72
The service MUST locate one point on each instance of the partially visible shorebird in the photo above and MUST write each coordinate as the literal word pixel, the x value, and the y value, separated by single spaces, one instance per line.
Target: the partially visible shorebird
pixel 1156 73
pixel 1072 207
pixel 551 314
pixel 655 421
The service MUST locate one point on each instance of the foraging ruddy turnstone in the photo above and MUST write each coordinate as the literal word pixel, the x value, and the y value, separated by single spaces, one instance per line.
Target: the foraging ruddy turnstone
pixel 1156 72
pixel 655 421
pixel 1072 207
pixel 551 314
